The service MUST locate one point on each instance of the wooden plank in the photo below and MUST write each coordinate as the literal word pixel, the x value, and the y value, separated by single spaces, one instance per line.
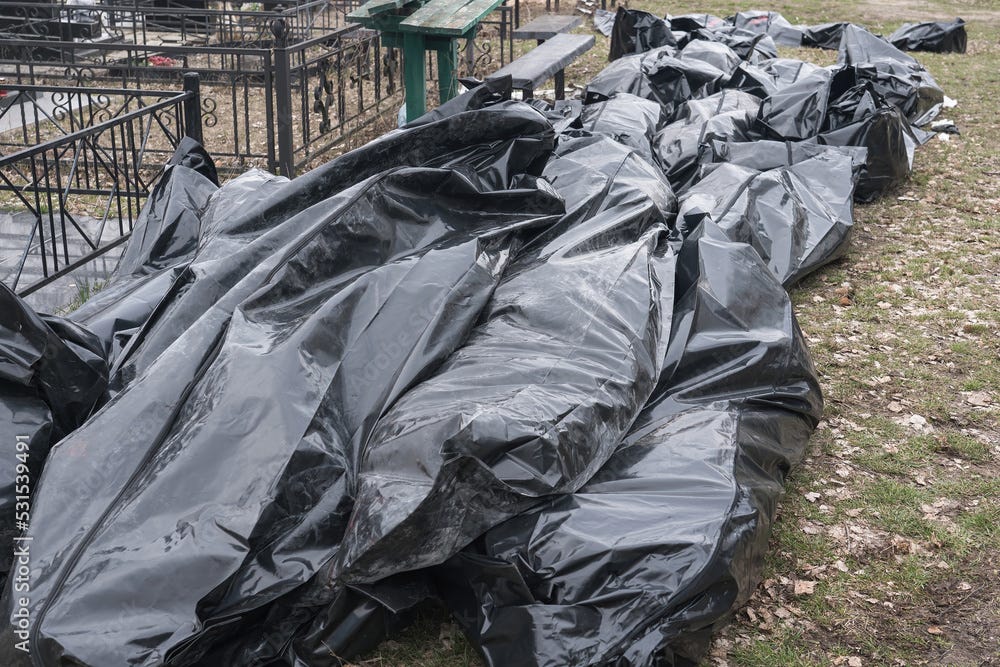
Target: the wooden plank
pixel 374 7
pixel 448 17
pixel 544 61
pixel 359 14
pixel 547 26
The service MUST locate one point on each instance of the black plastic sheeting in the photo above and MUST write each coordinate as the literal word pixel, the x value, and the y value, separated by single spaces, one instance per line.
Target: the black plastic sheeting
pixel 796 216
pixel 52 373
pixel 403 275
pixel 727 115
pixel 627 119
pixel 535 363
pixel 168 233
pixel 939 37
pixel 636 31
pixel 637 566
pixel 895 75
pixel 772 24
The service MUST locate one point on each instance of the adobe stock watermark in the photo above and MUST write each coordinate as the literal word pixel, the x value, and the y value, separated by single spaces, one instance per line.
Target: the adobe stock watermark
pixel 21 565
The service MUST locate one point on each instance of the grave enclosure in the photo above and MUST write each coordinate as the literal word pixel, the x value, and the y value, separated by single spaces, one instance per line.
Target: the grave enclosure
pixel 281 85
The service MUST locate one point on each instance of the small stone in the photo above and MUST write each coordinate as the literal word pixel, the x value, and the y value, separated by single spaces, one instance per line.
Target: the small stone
pixel 980 399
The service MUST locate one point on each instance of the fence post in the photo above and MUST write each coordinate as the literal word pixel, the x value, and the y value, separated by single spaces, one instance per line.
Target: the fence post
pixel 192 107
pixel 283 98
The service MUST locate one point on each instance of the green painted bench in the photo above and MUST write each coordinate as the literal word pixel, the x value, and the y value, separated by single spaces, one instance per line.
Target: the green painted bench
pixel 416 26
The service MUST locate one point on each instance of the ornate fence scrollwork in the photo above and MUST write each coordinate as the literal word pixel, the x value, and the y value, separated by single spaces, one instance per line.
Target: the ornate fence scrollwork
pixel 339 76
pixel 80 176
pixel 208 107
pixel 323 96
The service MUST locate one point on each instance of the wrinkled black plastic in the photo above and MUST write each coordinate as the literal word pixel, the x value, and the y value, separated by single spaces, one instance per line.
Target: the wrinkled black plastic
pixel 938 37
pixel 165 238
pixel 604 21
pixel 797 110
pixel 895 75
pixel 796 216
pixel 824 35
pixel 488 145
pixel 618 203
pixel 749 46
pixel 860 117
pixel 669 535
pixel 401 275
pixel 629 120
pixel 593 306
pixel 728 115
pixel 770 23
pixel 692 22
pixel 52 374
pixel 481 359
pixel 636 31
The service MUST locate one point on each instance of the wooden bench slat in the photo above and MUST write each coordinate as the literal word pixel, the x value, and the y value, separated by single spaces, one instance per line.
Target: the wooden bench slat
pixel 448 17
pixel 547 26
pixel 359 13
pixel 375 7
pixel 546 60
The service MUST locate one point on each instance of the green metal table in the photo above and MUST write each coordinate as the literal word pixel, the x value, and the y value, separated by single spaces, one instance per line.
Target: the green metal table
pixel 416 26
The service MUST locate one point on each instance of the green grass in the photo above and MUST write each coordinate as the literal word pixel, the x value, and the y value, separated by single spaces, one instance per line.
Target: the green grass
pixel 84 291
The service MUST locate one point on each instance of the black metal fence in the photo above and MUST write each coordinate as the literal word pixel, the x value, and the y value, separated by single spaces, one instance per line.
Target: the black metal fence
pixel 280 86
pixel 75 171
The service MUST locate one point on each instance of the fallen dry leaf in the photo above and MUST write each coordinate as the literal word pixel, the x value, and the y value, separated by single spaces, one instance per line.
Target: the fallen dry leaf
pixel 804 587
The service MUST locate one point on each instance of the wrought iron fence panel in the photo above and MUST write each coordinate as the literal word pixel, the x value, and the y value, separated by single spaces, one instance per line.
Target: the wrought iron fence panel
pixel 278 102
pixel 77 192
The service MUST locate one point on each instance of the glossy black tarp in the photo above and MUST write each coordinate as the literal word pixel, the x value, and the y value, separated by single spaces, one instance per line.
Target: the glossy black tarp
pixel 769 23
pixel 935 36
pixel 480 359
pixel 823 35
pixel 796 216
pixel 509 427
pixel 898 77
pixel 402 274
pixel 593 305
pixel 629 120
pixel 668 537
pixel 52 374
pixel 636 31
pixel 861 118
pixel 728 115
pixel 489 145
pixel 166 238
